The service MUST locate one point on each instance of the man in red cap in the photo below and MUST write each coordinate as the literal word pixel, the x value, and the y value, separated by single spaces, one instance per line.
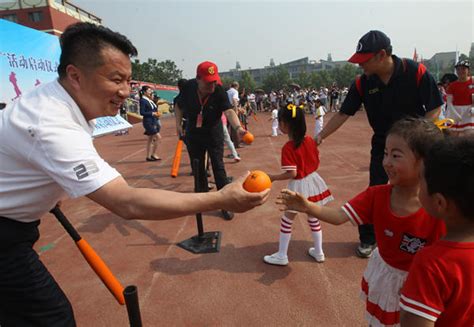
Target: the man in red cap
pixel 203 100
pixel 390 88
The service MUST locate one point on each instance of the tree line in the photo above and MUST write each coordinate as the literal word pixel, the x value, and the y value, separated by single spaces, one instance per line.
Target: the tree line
pixel 166 72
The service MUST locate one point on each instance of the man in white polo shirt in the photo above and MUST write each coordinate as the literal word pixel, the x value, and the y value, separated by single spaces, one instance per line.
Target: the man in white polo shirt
pixel 46 153
pixel 233 95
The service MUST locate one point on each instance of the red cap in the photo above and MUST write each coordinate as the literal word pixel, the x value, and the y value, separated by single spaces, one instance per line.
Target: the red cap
pixel 207 71
pixel 360 58
pixel 370 44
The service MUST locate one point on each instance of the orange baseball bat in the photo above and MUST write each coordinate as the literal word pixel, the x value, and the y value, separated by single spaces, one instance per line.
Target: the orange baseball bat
pixel 96 263
pixel 177 158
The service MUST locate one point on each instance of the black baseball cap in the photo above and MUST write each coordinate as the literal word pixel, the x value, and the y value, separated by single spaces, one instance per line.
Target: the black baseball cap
pixel 369 45
pixel 463 63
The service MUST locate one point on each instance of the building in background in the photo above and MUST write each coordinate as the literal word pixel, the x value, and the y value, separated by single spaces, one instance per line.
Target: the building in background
pixel 295 68
pixel 51 16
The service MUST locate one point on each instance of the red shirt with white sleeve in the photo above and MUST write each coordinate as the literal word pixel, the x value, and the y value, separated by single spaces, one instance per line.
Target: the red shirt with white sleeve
pixel 440 284
pixel 461 92
pixel 304 159
pixel 398 238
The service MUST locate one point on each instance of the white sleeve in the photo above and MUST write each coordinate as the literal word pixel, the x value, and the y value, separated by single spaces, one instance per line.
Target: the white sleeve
pixel 67 154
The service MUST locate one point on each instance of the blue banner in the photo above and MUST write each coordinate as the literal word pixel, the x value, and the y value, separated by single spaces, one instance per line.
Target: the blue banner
pixel 29 58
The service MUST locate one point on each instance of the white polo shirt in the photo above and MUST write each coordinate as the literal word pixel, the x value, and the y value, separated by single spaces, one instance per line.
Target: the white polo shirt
pixel 233 95
pixel 46 152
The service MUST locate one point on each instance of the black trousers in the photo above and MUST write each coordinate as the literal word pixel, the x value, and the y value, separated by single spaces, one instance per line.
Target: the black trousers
pixel 29 295
pixel 377 177
pixel 212 143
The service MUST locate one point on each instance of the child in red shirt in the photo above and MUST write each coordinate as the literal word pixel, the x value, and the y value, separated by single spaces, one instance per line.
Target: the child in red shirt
pixel 299 161
pixel 439 290
pixel 402 227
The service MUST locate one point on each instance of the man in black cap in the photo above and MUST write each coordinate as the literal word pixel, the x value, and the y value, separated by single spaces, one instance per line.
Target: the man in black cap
pixel 390 88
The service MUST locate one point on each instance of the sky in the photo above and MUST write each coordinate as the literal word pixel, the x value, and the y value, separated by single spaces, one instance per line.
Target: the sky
pixel 253 32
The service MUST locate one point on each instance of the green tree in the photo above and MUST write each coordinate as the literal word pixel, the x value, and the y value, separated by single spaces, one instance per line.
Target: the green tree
pixel 247 81
pixel 226 81
pixel 344 75
pixel 320 78
pixel 164 72
pixel 304 79
pixel 168 73
pixel 279 79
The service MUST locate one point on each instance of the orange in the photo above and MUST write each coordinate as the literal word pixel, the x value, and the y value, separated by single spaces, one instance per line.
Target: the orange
pixel 257 181
pixel 248 138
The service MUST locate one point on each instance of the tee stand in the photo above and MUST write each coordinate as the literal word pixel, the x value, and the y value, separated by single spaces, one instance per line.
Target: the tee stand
pixel 209 242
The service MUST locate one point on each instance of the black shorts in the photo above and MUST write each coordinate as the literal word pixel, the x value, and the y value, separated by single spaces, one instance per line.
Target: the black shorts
pixel 29 295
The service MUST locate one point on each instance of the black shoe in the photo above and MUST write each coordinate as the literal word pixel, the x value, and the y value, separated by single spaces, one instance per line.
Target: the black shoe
pixel 230 179
pixel 227 215
pixel 151 159
pixel 365 250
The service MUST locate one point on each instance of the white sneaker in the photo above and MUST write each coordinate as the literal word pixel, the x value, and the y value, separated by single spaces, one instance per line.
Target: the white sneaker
pixel 318 257
pixel 275 259
pixel 237 159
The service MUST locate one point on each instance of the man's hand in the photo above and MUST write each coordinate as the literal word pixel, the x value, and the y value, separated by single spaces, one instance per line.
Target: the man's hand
pixel 292 201
pixel 236 199
pixel 241 131
pixel 179 131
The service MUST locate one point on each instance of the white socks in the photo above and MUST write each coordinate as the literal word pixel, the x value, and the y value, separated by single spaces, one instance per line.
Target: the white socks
pixel 285 236
pixel 317 234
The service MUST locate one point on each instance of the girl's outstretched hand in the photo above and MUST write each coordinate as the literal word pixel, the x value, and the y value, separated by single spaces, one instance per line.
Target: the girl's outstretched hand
pixel 290 200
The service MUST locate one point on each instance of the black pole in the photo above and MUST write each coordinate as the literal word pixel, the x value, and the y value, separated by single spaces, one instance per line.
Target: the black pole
pixel 133 308
pixel 198 189
pixel 66 224
pixel 208 242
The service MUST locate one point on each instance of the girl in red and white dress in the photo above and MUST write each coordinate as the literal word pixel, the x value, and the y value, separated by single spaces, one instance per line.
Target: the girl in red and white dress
pixel 459 104
pixel 299 161
pixel 402 226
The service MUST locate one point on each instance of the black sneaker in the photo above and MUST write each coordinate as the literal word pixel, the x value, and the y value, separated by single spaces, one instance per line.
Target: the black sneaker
pixel 365 250
pixel 227 215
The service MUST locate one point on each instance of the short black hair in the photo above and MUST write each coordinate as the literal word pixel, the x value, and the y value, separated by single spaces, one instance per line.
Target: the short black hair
pixel 296 125
pixel 449 170
pixel 419 134
pixel 81 44
pixel 181 83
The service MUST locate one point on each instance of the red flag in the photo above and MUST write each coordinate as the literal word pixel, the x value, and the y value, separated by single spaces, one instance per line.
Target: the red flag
pixel 415 56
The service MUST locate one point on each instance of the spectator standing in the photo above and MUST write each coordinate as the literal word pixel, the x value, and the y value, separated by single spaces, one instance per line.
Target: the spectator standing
pixel 149 111
pixel 233 95
pixel 390 89
pixel 202 101
pixel 460 95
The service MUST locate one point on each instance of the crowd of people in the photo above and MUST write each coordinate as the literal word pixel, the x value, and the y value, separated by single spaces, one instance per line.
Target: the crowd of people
pixel 260 101
pixel 415 220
